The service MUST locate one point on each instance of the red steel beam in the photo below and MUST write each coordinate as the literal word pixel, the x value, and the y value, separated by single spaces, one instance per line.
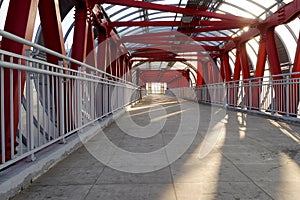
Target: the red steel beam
pixel 272 52
pixel 245 70
pixel 189 31
pixel 80 34
pixel 91 50
pixel 237 67
pixel 176 48
pixel 199 39
pixel 259 72
pixel 135 38
pixel 285 14
pixel 261 58
pixel 52 28
pixel 174 9
pixel 200 79
pixel 177 23
pixel 244 61
pixel 236 77
pixel 53 39
pixel 296 67
pixel 273 57
pixel 226 66
pixel 102 48
pixel 164 59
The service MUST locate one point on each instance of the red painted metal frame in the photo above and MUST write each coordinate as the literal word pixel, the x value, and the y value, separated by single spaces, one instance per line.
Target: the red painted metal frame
pixel 236 77
pixel 53 37
pixel 102 46
pixel 259 72
pixel 174 78
pixel 190 31
pixel 178 48
pixel 80 34
pixel 178 23
pixel 164 40
pixel 91 56
pixel 283 15
pixel 134 38
pixel 174 9
pixel 52 28
pixel 275 69
pixel 19 21
pixel 200 79
pixel 225 66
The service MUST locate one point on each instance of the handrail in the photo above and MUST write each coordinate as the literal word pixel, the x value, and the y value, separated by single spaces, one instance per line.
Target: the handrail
pixel 8 65
pixel 49 51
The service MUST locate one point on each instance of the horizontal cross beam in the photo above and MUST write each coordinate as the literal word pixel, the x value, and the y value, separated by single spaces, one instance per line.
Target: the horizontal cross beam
pixel 175 9
pixel 177 23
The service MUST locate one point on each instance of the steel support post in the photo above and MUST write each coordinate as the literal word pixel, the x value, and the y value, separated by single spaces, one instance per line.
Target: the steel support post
pixel 259 73
pixel 295 85
pixel 80 34
pixel 245 71
pixel 91 56
pixel 280 102
pixel 236 77
pixel 51 28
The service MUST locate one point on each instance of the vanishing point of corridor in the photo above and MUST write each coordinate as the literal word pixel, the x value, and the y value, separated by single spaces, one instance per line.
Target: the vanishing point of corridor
pixel 236 156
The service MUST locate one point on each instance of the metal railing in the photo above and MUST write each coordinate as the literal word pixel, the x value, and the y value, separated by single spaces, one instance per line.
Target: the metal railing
pixel 274 95
pixel 55 102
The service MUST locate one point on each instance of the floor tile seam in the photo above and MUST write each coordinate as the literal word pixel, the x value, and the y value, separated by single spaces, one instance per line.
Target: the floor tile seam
pixel 251 180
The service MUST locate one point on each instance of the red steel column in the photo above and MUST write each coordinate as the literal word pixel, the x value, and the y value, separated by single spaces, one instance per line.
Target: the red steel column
pixel 237 66
pixel 19 21
pixel 296 67
pixel 259 72
pixel 53 39
pixel 295 90
pixel 280 91
pixel 236 77
pixel 79 43
pixel 226 66
pixel 129 70
pixel 90 49
pixel 52 28
pixel 102 48
pixel 203 74
pixel 200 80
pixel 80 33
pixel 114 59
pixel 122 69
pixel 245 70
pixel 227 74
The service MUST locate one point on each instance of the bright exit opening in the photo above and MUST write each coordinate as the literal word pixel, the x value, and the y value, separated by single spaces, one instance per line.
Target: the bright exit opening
pixel 156 88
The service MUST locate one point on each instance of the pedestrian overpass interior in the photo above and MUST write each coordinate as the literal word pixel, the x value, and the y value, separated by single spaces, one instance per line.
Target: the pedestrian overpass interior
pixel 65 65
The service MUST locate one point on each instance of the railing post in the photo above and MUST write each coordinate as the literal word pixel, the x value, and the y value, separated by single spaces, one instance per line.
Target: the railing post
pixel 287 89
pixel 3 150
pixel 29 110
pixel 260 90
pixel 250 94
pixel 272 94
pixel 11 108
pixel 92 99
pixel 61 104
pixel 79 101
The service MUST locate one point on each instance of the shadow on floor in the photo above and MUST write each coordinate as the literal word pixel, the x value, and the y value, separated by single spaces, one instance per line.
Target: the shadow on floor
pixel 252 158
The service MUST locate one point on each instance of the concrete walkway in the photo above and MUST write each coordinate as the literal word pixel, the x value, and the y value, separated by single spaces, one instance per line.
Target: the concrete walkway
pixel 249 157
